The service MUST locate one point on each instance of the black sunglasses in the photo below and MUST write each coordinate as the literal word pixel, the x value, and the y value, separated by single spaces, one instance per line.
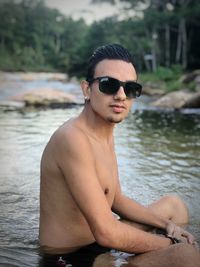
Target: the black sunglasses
pixel 110 86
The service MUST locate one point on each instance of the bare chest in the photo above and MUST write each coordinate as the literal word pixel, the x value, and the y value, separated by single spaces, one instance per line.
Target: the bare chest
pixel 107 173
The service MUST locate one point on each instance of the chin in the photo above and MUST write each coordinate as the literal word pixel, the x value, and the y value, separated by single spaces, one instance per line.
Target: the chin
pixel 114 120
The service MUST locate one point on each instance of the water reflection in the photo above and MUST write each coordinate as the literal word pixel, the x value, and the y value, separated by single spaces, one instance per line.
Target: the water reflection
pixel 157 154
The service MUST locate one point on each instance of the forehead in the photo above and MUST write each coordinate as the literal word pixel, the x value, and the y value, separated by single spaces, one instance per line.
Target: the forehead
pixel 118 69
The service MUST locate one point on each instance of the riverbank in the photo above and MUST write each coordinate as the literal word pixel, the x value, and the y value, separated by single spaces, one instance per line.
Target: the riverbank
pixel 56 90
pixel 170 89
pixel 50 90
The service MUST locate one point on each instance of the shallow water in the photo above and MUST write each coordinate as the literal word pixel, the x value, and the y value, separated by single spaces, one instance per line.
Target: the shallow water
pixel 157 154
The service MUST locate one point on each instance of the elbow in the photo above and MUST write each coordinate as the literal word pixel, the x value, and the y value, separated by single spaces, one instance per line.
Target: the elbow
pixel 104 237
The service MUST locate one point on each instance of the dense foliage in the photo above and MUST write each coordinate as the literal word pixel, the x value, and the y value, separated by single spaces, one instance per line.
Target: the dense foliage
pixel 163 33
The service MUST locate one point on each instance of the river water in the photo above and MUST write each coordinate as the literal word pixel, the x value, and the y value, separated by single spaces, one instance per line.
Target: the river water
pixel 158 153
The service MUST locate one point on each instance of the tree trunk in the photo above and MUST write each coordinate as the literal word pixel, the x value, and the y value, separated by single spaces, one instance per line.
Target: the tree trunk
pixel 184 41
pixel 154 59
pixel 57 44
pixel 181 51
pixel 153 50
pixel 167 48
pixel 179 45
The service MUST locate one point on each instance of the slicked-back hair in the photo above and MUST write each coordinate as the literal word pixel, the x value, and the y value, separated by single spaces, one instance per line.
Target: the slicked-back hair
pixel 110 51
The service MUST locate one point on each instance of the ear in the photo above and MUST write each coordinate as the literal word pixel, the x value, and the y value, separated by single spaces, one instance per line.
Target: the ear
pixel 86 89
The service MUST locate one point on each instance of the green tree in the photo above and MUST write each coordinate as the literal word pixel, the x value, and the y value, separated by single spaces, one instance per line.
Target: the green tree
pixel 34 37
pixel 168 26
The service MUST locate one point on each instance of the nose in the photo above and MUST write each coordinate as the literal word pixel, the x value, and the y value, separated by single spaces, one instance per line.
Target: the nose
pixel 120 95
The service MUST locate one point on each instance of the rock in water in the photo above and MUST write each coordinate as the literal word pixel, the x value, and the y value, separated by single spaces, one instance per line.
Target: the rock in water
pixel 46 97
pixel 178 100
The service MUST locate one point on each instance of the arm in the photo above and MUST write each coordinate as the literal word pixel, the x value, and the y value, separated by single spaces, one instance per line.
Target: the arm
pixel 131 210
pixel 75 159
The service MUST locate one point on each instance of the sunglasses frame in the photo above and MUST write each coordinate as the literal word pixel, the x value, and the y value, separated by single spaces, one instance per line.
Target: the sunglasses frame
pixel 137 90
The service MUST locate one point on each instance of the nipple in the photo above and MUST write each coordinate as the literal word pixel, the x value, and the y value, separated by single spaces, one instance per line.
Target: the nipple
pixel 106 191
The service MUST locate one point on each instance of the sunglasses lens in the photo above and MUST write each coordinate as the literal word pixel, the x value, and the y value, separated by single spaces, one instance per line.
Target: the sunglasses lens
pixel 109 85
pixel 132 89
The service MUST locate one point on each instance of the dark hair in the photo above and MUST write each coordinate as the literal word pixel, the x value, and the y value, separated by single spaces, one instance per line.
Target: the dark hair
pixel 110 51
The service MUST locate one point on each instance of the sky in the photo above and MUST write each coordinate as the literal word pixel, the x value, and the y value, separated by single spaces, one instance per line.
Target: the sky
pixel 83 8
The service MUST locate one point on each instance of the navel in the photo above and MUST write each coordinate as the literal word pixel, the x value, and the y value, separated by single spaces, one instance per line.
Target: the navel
pixel 106 191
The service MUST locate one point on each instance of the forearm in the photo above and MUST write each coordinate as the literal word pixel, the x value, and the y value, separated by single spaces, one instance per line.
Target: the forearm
pixel 129 239
pixel 131 210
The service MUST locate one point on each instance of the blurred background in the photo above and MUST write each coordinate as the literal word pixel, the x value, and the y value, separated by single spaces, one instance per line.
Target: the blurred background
pixel 49 35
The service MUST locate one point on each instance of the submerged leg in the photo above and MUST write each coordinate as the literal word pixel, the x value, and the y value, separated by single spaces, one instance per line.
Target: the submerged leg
pixel 179 255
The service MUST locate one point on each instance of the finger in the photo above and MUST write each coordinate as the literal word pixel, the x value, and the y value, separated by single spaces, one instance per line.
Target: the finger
pixel 189 237
pixel 171 229
pixel 177 232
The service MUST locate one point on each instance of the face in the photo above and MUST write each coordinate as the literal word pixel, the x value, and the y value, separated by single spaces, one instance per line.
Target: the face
pixel 112 108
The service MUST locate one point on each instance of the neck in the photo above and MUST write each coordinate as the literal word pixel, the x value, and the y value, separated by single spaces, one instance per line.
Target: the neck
pixel 96 125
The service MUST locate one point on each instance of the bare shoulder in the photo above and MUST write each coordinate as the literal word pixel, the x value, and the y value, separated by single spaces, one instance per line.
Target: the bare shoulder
pixel 70 138
pixel 70 133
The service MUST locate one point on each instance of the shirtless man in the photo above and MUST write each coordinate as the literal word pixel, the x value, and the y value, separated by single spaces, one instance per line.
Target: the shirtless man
pixel 80 187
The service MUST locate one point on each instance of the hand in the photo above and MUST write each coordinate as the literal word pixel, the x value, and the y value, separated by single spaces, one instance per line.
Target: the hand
pixel 178 232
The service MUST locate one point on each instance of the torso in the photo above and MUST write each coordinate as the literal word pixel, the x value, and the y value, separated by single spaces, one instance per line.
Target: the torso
pixel 63 227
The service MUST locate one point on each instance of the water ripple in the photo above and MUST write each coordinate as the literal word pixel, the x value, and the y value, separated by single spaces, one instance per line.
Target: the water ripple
pixel 157 154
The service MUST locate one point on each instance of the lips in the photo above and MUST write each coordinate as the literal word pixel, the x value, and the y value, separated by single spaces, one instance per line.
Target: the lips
pixel 117 108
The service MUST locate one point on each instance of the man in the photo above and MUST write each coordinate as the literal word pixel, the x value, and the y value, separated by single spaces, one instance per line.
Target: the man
pixel 80 190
